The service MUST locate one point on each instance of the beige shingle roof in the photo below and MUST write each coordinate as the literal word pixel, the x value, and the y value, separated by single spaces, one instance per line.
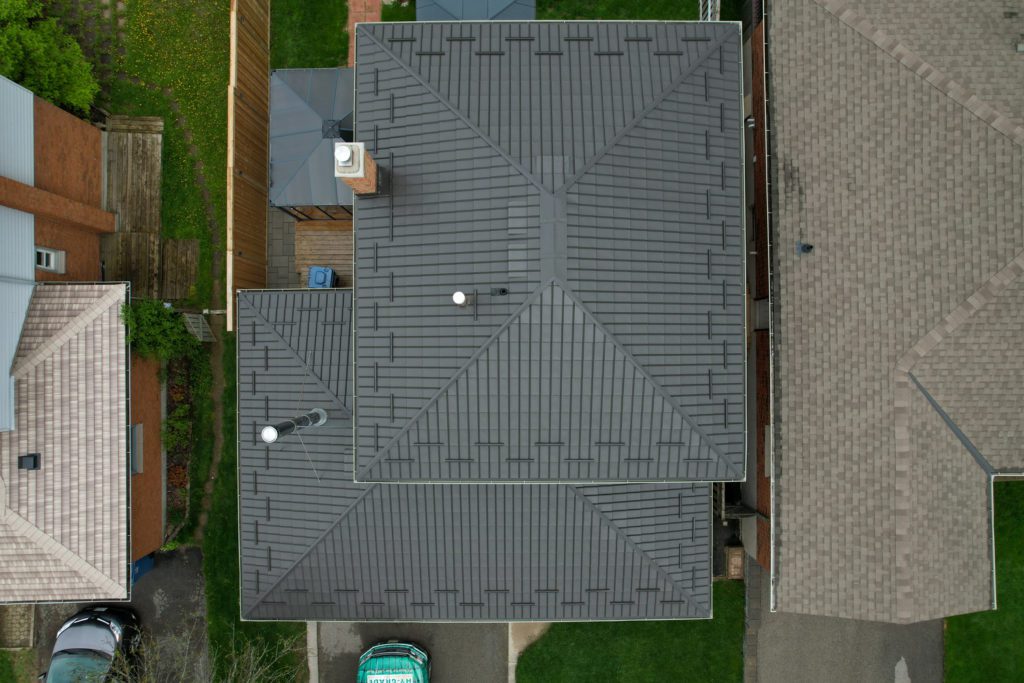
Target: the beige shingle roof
pixel 904 169
pixel 64 528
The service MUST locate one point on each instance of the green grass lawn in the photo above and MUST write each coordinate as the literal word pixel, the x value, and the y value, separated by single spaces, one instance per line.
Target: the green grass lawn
pixel 617 9
pixel 396 12
pixel 307 34
pixel 981 647
pixel 17 666
pixel 226 633
pixel 182 45
pixel 700 650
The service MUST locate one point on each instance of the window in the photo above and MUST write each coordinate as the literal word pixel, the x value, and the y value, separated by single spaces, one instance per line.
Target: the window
pixel 136 448
pixel 50 259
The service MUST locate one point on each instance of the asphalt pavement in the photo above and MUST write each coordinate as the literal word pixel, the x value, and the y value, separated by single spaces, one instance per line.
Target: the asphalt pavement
pixel 793 648
pixel 461 653
pixel 170 602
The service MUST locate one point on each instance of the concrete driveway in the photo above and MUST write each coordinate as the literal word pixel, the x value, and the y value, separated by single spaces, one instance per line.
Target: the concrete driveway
pixel 793 648
pixel 461 653
pixel 171 604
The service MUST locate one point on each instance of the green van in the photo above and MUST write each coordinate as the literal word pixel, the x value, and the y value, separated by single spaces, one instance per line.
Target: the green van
pixel 394 662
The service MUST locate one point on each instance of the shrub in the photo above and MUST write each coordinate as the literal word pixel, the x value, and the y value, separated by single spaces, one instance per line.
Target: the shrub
pixel 177 432
pixel 37 53
pixel 158 332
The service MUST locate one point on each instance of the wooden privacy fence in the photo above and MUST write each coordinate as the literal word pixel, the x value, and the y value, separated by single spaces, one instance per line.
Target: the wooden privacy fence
pixel 248 134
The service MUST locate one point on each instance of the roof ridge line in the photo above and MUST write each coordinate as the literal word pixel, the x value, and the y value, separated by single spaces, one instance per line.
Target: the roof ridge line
pixel 319 539
pixel 977 300
pixel 306 157
pixel 462 117
pixel 667 397
pixel 69 331
pixel 534 295
pixel 883 40
pixel 295 354
pixel 617 530
pixel 588 314
pixel 654 104
pixel 59 552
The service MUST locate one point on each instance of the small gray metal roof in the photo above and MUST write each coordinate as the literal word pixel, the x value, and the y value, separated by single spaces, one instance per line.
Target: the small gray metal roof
pixel 583 181
pixel 466 10
pixel 301 157
pixel 17 259
pixel 317 546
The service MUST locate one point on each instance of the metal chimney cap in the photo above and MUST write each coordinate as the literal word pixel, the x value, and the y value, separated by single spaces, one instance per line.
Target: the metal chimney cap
pixel 269 434
pixel 348 159
pixel 343 155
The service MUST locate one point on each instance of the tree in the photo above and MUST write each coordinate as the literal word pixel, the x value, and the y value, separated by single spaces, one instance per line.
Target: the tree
pixel 37 53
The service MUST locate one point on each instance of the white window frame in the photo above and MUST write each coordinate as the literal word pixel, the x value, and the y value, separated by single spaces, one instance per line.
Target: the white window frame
pixel 53 260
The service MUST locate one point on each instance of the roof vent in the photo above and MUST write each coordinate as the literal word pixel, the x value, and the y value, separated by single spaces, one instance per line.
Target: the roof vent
pixel 32 461
pixel 461 299
pixel 313 418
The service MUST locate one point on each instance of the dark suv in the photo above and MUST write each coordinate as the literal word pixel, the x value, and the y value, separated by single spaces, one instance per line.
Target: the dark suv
pixel 88 642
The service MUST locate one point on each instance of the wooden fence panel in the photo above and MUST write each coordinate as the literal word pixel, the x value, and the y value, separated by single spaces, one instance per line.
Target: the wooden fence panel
pixel 248 147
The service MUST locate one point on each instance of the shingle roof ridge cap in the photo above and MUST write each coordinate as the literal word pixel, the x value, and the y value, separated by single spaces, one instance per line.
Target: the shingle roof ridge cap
pixel 903 389
pixel 617 530
pixel 645 112
pixel 114 292
pixel 58 552
pixel 312 546
pixel 305 162
pixel 295 355
pixel 978 299
pixel 534 295
pixel 454 110
pixel 846 13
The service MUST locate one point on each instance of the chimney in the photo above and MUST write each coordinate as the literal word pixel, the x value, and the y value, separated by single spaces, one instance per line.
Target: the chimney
pixel 354 165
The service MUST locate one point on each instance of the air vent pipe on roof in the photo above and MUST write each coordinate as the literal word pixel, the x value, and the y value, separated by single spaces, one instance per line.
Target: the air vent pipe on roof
pixel 313 418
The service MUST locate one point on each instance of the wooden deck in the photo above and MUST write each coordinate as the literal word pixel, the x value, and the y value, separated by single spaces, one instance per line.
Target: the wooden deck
pixel 324 243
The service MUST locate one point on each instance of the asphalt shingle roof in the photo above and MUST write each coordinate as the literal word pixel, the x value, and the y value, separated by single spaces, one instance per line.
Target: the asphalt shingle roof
pixel 895 341
pixel 316 545
pixel 583 182
pixel 64 527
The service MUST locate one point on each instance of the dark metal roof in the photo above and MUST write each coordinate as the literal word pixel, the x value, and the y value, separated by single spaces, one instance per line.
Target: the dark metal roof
pixel 316 546
pixel 464 10
pixel 583 180
pixel 301 157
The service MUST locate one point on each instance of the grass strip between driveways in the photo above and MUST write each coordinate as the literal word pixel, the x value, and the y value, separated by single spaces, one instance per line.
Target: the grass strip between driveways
pixel 986 646
pixel 227 634
pixel 703 650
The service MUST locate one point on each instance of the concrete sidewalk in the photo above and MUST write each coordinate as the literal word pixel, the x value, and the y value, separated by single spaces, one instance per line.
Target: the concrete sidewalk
pixel 792 648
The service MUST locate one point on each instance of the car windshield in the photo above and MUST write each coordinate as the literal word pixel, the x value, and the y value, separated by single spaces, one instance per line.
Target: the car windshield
pixel 78 666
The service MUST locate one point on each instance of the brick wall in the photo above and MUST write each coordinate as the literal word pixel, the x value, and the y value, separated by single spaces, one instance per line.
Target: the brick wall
pixel 69 155
pixel 68 164
pixel 359 11
pixel 82 249
pixel 147 487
